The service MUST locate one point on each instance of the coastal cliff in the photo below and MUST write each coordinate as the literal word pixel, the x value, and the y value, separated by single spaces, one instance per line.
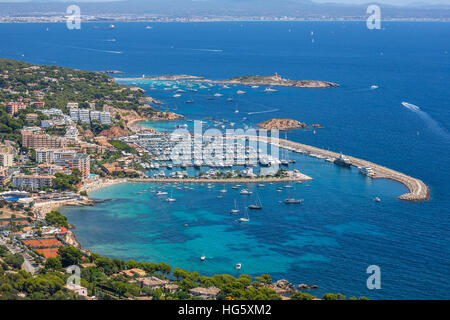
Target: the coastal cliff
pixel 281 124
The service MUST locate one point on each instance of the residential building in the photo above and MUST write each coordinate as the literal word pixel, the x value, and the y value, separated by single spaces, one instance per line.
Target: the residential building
pixel 48 169
pixel 205 293
pixel 105 118
pixel 32 182
pixel 151 282
pixel 13 107
pixel 34 140
pixel 6 159
pixel 32 117
pixel 72 105
pixel 81 291
pixel 83 115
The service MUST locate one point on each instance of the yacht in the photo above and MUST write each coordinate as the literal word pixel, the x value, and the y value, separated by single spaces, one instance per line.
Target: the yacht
pixel 293 201
pixel 245 218
pixel 240 92
pixel 230 100
pixel 270 89
pixel 218 94
pixel 377 199
pixel 257 205
pixel 238 266
pixel 245 192
pixel 255 87
pixel 342 161
pixel 367 171
pixel 161 193
pixel 235 210
pixel 177 95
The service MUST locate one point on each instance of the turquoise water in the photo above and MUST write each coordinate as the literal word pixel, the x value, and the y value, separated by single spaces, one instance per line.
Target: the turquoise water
pixel 339 231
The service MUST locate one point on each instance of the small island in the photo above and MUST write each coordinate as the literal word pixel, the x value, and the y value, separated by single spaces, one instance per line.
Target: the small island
pixel 277 80
pixel 273 80
pixel 281 124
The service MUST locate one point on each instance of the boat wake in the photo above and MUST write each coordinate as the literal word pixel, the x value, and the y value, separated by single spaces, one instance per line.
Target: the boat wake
pixel 432 124
pixel 267 111
pixel 208 50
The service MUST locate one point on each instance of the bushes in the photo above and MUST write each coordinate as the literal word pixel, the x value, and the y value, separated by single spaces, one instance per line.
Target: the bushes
pixel 14 260
pixel 55 218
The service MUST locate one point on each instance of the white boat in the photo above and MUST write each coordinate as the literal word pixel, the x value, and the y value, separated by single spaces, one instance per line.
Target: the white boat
pixel 367 171
pixel 255 87
pixel 202 258
pixel 245 192
pixel 235 210
pixel 270 89
pixel 410 106
pixel 148 27
pixel 161 193
pixel 374 87
pixel 223 191
pixel 171 199
pixel 377 199
pixel 177 95
pixel 257 205
pixel 245 218
pixel 238 266
pixel 218 94
pixel 240 92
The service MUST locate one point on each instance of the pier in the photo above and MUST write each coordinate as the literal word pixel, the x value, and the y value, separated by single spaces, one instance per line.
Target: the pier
pixel 418 191
pixel 300 177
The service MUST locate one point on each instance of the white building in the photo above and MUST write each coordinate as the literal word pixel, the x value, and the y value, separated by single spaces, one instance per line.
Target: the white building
pixel 32 182
pixel 105 117
pixel 6 160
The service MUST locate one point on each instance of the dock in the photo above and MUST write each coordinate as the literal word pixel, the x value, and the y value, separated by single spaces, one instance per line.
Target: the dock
pixel 418 190
pixel 300 177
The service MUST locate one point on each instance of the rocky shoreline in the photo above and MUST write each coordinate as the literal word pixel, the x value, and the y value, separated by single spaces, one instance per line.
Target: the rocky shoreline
pixel 274 80
pixel 281 124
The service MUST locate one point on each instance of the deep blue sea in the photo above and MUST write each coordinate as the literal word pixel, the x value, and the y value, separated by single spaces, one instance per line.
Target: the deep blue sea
pixel 339 231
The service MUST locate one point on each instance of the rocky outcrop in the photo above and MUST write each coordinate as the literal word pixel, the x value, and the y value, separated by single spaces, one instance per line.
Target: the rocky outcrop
pixel 282 287
pixel 165 116
pixel 276 80
pixel 281 124
pixel 115 132
pixel 303 286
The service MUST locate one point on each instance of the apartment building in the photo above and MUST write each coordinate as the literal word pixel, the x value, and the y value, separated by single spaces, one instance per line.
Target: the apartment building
pixel 32 182
pixel 35 140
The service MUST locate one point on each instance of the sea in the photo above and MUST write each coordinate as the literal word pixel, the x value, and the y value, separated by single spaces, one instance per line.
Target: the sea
pixel 339 231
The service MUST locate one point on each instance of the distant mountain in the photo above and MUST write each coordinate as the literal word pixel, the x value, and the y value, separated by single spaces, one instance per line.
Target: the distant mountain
pixel 223 8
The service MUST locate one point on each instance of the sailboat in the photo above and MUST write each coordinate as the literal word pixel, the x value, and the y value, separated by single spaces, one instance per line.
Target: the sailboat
pixel 235 210
pixel 293 200
pixel 257 205
pixel 236 110
pixel 245 218
pixel 171 199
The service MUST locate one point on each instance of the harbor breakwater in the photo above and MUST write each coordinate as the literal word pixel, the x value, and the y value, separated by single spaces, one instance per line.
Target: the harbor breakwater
pixel 418 190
